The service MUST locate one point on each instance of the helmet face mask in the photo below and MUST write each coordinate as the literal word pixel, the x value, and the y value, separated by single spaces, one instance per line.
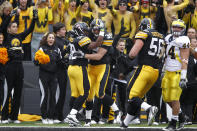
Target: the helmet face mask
pixel 96 25
pixel 178 28
pixel 146 24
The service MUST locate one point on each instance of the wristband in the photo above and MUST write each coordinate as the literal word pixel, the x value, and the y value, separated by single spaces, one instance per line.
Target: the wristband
pixel 183 73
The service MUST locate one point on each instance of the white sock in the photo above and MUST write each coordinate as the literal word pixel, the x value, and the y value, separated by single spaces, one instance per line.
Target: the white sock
pixel 180 111
pixel 114 107
pixel 128 119
pixel 145 106
pixel 175 117
pixel 73 112
pixel 81 111
pixel 88 114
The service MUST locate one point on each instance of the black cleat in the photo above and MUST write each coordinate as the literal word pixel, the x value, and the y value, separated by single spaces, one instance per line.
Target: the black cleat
pixel 87 123
pixel 182 121
pixel 123 126
pixel 171 126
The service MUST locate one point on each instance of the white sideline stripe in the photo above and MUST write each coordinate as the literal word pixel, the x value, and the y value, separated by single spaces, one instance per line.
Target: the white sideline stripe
pixel 87 127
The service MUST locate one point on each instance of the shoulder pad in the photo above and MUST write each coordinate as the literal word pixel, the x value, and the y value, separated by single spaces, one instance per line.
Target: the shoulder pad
pixel 168 38
pixel 141 35
pixel 108 35
pixel 183 42
pixel 84 41
pixel 107 40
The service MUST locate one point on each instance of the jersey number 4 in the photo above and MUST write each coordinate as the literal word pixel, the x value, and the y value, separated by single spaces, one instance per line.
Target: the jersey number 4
pixel 156 47
pixel 171 52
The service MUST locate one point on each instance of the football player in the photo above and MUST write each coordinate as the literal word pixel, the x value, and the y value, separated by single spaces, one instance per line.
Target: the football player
pixel 77 72
pixel 174 80
pixel 149 47
pixel 99 69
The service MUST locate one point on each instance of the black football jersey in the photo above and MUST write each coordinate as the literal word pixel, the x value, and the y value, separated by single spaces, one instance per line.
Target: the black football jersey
pixel 153 49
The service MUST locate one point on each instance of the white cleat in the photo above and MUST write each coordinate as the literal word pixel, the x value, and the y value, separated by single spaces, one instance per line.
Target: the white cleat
pixel 72 120
pixel 50 121
pixel 45 121
pixel 87 123
pixel 5 122
pixel 93 122
pixel 135 121
pixel 56 121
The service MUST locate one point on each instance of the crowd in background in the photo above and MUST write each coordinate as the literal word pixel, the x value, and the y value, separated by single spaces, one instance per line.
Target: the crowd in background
pixel 115 14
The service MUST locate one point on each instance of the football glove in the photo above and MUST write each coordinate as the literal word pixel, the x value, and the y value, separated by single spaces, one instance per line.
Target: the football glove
pixel 79 54
pixel 183 84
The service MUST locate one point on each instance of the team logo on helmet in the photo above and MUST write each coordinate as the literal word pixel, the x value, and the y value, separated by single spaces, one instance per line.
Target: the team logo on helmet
pixel 81 29
pixel 146 24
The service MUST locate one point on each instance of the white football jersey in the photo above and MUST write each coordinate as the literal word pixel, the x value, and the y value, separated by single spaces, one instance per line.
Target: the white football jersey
pixel 173 59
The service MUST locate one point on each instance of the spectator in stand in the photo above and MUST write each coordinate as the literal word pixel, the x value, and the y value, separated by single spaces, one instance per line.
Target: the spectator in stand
pixel 188 97
pixel 125 18
pixel 58 11
pixel 41 27
pixel 170 11
pixel 189 16
pixel 86 15
pixel 47 57
pixel 5 10
pixel 14 72
pixel 147 10
pixel 191 33
pixel 133 6
pixel 100 11
pixel 24 19
pixel 72 13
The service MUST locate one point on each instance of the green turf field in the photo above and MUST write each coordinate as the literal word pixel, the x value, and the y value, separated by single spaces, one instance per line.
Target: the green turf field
pixel 39 123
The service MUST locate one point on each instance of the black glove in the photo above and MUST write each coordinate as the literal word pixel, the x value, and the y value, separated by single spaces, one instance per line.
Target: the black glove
pixel 183 84
pixel 78 54
pixel 35 14
pixel 13 12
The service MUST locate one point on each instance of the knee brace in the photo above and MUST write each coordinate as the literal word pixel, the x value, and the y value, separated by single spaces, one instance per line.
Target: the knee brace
pixel 107 100
pixel 134 105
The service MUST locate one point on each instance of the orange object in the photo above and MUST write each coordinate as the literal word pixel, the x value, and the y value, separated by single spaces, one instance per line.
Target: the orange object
pixel 3 55
pixel 41 57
